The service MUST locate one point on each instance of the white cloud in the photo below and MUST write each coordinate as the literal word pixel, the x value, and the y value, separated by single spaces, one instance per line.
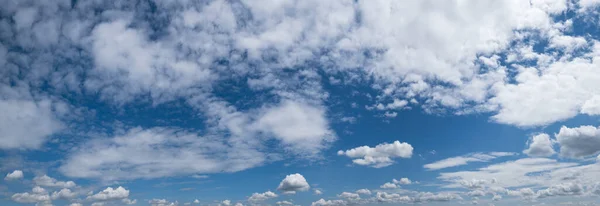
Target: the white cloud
pixel 26 124
pixel 579 142
pixel 46 181
pixel 64 193
pixel 380 155
pixel 162 202
pixel 318 192
pixel 110 194
pixel 402 181
pixel 38 195
pixel 388 185
pixel 561 190
pixel 128 201
pixel 476 193
pixel 14 175
pixel 540 146
pixel 323 202
pixel 225 203
pixel 293 183
pixel 258 197
pixel 364 192
pixel 349 196
pixel 157 152
pixel 591 106
pixel 287 203
pixel 518 174
pixel 301 127
pixel 463 160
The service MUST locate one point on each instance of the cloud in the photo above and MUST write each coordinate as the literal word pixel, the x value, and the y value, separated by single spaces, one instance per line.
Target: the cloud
pixel 157 152
pixel 301 127
pixel 287 203
pixel 364 192
pixel 578 142
pixel 380 155
pixel 349 196
pixel 318 192
pixel 258 197
pixel 39 195
pixel 388 185
pixel 540 146
pixel 128 201
pixel 463 160
pixel 323 202
pixel 110 194
pixel 26 124
pixel 46 181
pixel 402 181
pixel 14 175
pixel 162 202
pixel 64 193
pixel 225 203
pixel 522 173
pixel 293 183
pixel 563 189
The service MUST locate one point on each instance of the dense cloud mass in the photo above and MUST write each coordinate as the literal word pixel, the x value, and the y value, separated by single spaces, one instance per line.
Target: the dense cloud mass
pixel 109 92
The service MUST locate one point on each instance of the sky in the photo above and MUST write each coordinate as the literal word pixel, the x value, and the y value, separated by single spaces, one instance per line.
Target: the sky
pixel 299 102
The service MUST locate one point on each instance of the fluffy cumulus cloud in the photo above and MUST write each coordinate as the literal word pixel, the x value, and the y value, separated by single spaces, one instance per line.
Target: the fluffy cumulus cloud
pixel 540 146
pixel 579 142
pixel 379 156
pixel 258 197
pixel 465 159
pixel 14 175
pixel 38 195
pixel 293 183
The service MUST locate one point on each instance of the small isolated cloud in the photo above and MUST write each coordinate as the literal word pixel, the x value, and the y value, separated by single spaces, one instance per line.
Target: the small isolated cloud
pixel 258 197
pixel 540 146
pixel 15 175
pixel 293 183
pixel 318 192
pixel 379 156
pixel 402 181
pixel 463 160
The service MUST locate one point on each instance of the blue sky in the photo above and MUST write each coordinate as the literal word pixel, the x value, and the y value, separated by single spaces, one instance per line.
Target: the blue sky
pixel 320 103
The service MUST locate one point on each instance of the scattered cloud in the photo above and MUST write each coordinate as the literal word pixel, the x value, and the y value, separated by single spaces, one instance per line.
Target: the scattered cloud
pixel 14 175
pixel 540 146
pixel 258 197
pixel 380 155
pixel 293 183
pixel 463 160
